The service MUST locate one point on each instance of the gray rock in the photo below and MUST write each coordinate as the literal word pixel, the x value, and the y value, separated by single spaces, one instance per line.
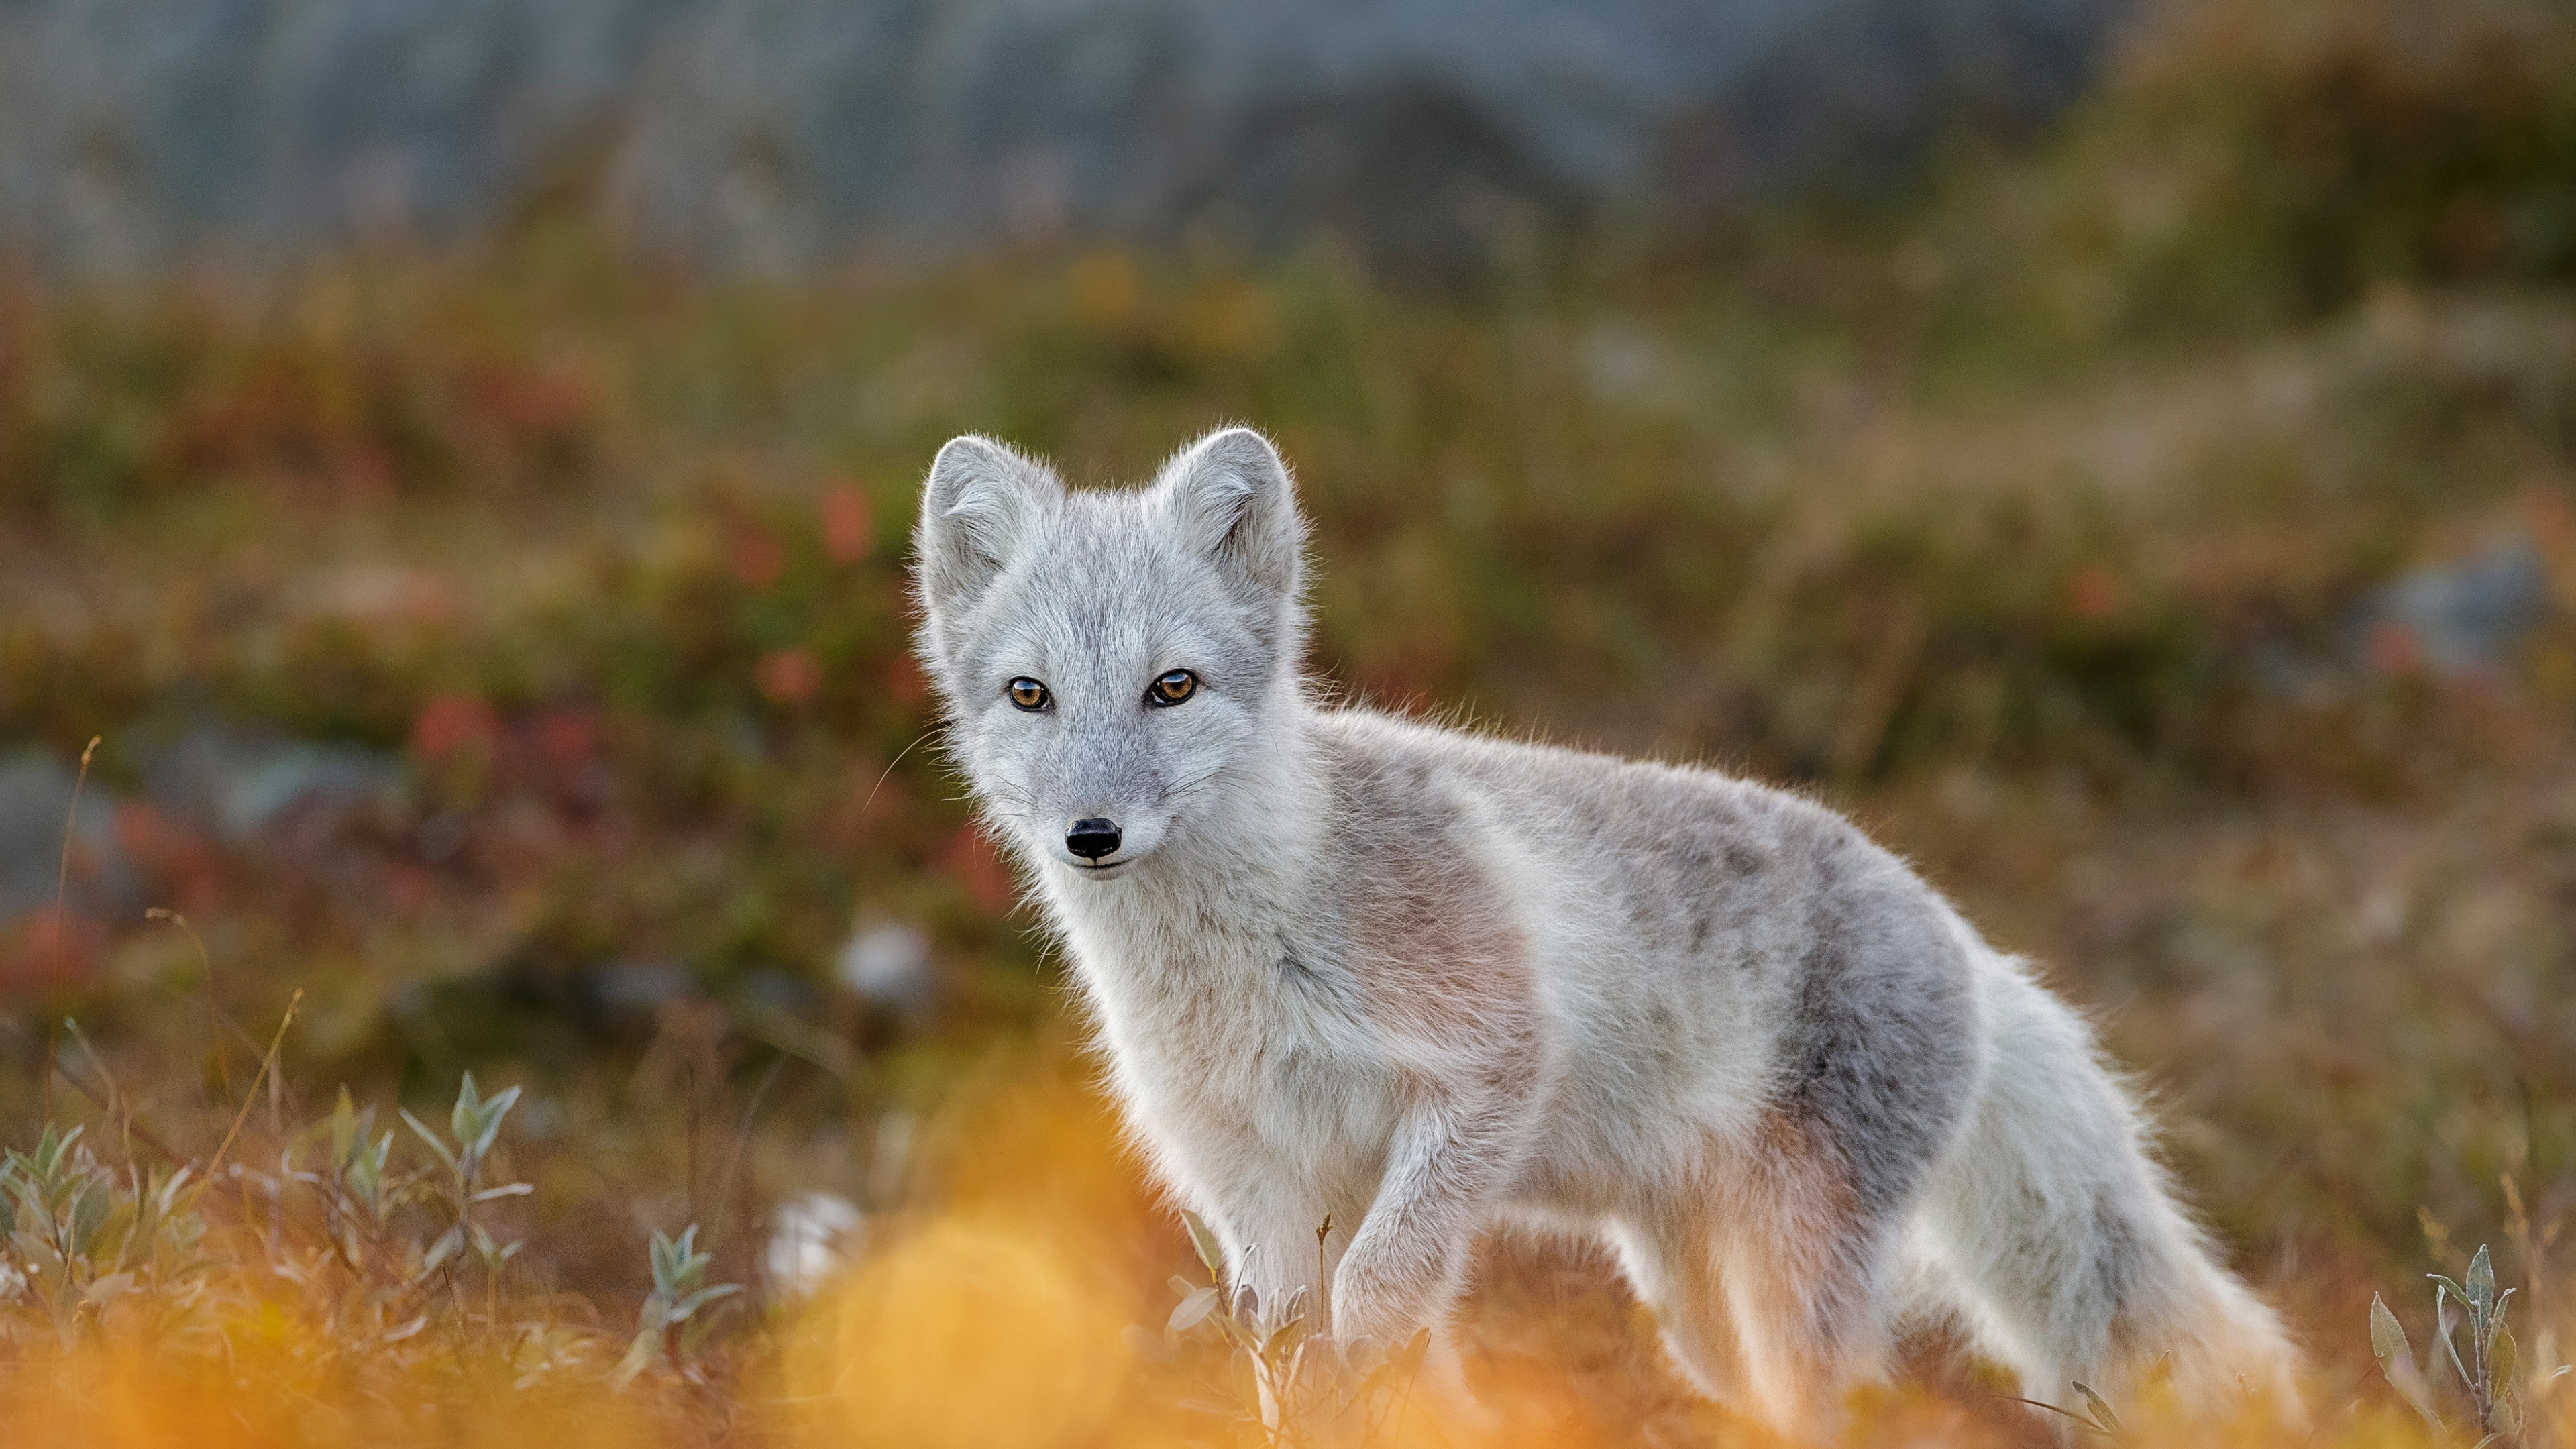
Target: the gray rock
pixel 234 787
pixel 640 985
pixel 766 133
pixel 2464 615
pixel 35 804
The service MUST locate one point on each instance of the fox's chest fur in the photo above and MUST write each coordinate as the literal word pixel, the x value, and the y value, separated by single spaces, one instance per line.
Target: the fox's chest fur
pixel 1239 1036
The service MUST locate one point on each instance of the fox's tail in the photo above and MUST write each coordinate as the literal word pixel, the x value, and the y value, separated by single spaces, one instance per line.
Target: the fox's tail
pixel 2054 1236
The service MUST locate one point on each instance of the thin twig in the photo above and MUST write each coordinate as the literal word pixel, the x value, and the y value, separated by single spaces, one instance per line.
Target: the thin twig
pixel 266 1064
pixel 742 1137
pixel 689 1083
pixel 63 870
pixel 117 1109
pixel 205 992
pixel 62 919
pixel 2087 1425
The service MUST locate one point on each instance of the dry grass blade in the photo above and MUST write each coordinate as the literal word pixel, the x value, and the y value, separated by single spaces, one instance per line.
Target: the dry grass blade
pixel 62 897
pixel 205 993
pixel 63 868
pixel 267 1066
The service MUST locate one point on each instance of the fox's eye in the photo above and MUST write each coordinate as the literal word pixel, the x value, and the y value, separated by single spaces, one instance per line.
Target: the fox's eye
pixel 1172 688
pixel 1028 694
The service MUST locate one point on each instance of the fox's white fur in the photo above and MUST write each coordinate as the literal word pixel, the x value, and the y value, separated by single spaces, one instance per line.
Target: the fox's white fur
pixel 1426 981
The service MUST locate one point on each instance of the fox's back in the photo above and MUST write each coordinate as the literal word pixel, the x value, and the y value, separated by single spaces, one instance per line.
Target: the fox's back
pixel 1700 953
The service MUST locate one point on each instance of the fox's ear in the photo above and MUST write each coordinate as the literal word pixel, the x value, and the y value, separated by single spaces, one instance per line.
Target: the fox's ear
pixel 977 509
pixel 1229 495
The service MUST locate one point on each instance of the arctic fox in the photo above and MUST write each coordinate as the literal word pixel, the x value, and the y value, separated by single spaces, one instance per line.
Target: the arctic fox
pixel 1342 962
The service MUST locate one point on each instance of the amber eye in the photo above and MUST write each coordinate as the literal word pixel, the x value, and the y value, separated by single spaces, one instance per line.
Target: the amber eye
pixel 1029 694
pixel 1172 688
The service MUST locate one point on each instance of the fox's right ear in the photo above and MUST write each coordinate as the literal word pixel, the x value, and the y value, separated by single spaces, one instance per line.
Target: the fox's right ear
pixel 980 505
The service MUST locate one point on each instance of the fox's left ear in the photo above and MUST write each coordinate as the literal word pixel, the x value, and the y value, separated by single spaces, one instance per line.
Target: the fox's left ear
pixel 1229 495
pixel 980 505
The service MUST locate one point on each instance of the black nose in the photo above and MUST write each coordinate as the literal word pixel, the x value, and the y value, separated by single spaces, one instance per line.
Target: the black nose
pixel 1092 839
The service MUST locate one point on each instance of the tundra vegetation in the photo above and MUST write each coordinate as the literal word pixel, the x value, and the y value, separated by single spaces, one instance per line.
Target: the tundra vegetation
pixel 2164 532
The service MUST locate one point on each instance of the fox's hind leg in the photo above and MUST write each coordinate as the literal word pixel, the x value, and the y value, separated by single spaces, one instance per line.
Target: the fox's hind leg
pixel 1671 1260
pixel 1809 1280
pixel 1773 1292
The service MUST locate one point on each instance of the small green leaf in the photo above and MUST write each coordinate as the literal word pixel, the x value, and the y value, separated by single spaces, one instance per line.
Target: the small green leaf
pixel 89 1214
pixel 365 1172
pixel 1284 1338
pixel 344 1130
pixel 641 1354
pixel 487 1121
pixel 166 1191
pixel 1210 1253
pixel 432 1138
pixel 50 1150
pixel 2397 1362
pixel 1240 1330
pixel 2454 1289
pixel 108 1287
pixel 2442 1328
pixel 2102 1414
pixel 449 1244
pixel 2481 1294
pixel 2387 1335
pixel 702 1298
pixel 33 1211
pixel 1192 1310
pixel 2504 1359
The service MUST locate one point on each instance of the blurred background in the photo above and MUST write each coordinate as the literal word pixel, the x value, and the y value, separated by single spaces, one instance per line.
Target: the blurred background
pixel 456 457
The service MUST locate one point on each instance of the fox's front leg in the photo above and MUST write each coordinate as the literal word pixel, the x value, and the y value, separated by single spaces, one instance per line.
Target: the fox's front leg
pixel 1273 1249
pixel 1409 1257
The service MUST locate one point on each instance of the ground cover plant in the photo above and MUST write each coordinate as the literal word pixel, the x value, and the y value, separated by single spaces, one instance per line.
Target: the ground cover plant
pixel 2166 536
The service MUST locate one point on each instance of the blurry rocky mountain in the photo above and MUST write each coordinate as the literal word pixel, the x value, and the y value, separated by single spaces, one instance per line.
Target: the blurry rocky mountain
pixel 770 133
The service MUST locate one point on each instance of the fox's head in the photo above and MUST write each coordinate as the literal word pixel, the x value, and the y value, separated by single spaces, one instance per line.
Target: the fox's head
pixel 1111 663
